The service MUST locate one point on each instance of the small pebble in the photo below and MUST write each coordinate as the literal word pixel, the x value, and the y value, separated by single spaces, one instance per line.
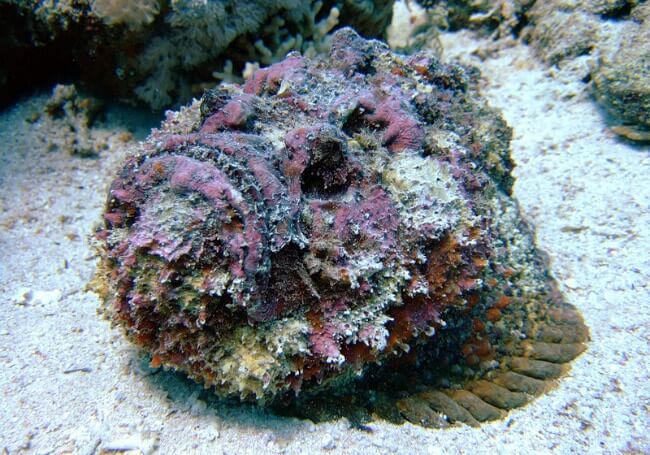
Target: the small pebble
pixel 23 296
pixel 328 443
pixel 145 443
pixel 571 283
pixel 198 408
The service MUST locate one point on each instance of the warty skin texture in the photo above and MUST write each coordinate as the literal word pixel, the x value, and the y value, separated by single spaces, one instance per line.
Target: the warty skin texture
pixel 321 222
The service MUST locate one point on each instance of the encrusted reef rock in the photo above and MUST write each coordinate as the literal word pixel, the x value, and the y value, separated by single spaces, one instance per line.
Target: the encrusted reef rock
pixel 606 41
pixel 560 29
pixel 159 52
pixel 340 225
pixel 614 37
pixel 622 77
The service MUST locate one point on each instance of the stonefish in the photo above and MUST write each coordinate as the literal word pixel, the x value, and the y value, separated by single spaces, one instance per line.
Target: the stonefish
pixel 342 227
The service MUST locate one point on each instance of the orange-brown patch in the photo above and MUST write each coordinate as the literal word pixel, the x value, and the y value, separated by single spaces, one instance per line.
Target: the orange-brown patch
pixel 478 326
pixel 503 302
pixel 156 361
pixel 358 353
pixel 493 314
pixel 158 168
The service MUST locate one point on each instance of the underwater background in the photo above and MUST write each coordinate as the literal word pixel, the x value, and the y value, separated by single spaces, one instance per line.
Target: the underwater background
pixel 83 81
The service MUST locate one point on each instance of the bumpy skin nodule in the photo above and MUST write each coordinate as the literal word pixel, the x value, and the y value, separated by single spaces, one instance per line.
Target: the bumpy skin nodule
pixel 324 218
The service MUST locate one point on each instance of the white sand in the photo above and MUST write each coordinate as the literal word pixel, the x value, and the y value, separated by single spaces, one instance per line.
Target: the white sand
pixel 587 192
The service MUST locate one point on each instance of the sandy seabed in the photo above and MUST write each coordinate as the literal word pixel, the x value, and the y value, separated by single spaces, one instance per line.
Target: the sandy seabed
pixel 71 384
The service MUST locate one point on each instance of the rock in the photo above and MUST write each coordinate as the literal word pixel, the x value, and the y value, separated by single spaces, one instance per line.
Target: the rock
pixel 144 443
pixel 622 78
pixel 23 296
pixel 560 33
pixel 328 442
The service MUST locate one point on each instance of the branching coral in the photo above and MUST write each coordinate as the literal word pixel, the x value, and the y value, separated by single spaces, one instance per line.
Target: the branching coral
pixel 255 33
pixel 161 52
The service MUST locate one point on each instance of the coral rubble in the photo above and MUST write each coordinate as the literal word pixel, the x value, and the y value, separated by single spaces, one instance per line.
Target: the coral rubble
pixel 67 120
pixel 332 221
pixel 500 17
